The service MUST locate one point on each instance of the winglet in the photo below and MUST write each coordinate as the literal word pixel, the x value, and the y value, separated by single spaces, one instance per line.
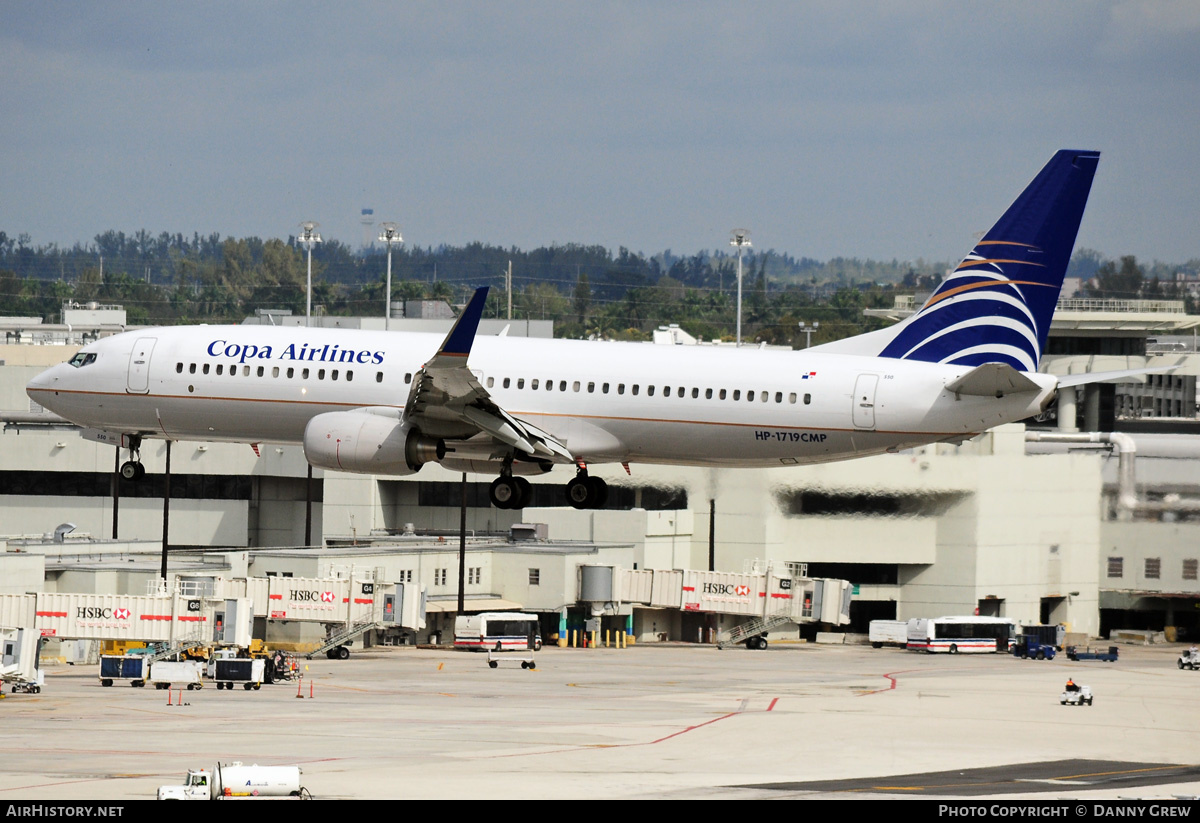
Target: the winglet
pixel 462 335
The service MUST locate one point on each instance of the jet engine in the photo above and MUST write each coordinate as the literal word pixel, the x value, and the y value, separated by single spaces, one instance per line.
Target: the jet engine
pixel 367 443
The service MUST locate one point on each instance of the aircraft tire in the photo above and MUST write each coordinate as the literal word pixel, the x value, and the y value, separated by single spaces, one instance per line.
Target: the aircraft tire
pixel 524 492
pixel 129 470
pixel 578 493
pixel 505 492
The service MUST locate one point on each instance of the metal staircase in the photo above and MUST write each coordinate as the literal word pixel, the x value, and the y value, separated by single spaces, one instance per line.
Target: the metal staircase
pixel 751 628
pixel 344 636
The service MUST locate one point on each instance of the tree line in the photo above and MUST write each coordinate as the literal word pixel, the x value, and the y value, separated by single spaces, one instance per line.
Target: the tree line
pixel 588 290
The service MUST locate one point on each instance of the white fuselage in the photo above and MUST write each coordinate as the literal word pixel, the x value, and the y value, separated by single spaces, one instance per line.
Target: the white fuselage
pixel 633 402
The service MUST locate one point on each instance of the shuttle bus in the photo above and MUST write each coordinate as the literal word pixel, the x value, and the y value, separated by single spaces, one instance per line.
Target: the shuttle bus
pixel 969 635
pixel 497 632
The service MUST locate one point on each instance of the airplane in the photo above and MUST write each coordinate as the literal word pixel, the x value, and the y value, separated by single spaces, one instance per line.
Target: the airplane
pixel 390 402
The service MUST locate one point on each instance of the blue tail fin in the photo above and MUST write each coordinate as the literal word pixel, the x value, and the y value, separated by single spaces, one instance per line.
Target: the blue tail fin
pixel 997 305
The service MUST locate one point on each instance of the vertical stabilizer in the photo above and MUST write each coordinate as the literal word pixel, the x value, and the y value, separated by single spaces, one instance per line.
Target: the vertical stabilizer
pixel 997 304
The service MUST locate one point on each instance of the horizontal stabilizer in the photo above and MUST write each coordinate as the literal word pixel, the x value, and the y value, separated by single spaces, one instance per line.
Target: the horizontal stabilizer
pixel 1105 376
pixel 992 380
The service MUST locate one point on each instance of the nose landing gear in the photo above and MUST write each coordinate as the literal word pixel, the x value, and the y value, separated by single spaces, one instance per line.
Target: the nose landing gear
pixel 133 469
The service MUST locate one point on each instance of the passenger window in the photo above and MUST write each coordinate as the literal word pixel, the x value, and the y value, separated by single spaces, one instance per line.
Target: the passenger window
pixel 750 395
pixel 722 395
pixel 737 394
pixel 191 368
pixel 349 376
pixel 562 385
pixel 245 371
pixel 680 392
pixel 220 368
pixel 77 361
pixel 575 386
pixel 291 371
pixel 320 374
pixel 604 389
pixel 407 378
pixel 260 371
pixel 506 382
pixel 378 377
pixel 533 384
pixel 807 399
pixel 491 383
pixel 650 391
pixel 274 371
pixel 205 369
pixel 763 398
pixel 778 397
pixel 520 382
pixel 620 388
pixel 695 393
pixel 333 375
pixel 708 394
pixel 304 374
pixel 635 388
pixel 792 398
pixel 591 387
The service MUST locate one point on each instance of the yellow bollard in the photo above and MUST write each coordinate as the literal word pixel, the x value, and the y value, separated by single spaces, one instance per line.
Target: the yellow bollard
pixel 606 638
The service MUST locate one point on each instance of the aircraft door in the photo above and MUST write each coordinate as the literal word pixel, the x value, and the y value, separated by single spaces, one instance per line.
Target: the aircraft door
pixel 138 381
pixel 864 401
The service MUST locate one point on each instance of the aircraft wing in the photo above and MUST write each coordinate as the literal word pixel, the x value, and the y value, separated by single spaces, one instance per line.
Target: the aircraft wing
pixel 448 401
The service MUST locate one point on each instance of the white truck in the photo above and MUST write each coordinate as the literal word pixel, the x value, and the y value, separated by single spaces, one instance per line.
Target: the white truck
pixel 232 781
pixel 889 632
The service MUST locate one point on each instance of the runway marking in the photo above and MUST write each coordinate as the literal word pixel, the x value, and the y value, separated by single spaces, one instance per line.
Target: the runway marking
pixel 892 682
pixel 740 710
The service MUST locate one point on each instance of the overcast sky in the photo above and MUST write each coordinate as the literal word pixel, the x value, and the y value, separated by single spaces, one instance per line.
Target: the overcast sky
pixel 882 130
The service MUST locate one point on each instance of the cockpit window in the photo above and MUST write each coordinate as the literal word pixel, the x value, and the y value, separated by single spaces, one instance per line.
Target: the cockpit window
pixel 83 359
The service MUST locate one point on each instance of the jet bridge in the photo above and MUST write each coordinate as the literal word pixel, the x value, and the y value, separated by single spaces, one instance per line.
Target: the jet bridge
pixel 768 599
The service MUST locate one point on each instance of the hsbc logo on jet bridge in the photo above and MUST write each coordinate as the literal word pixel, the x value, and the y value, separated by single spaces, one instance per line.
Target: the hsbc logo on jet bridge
pixel 314 597
pixel 100 613
pixel 726 589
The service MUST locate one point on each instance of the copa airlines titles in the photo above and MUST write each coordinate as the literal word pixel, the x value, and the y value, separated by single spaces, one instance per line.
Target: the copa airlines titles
pixel 317 354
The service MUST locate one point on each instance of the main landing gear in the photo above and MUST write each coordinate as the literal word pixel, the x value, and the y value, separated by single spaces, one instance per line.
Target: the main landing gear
pixel 583 492
pixel 509 492
pixel 587 492
pixel 133 469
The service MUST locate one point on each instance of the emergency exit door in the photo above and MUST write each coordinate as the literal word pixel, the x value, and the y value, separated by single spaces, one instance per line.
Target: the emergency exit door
pixel 864 401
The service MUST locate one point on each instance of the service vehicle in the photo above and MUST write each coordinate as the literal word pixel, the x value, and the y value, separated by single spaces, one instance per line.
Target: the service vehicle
pixel 1190 659
pixel 228 669
pixel 1076 697
pixel 132 667
pixel 167 673
pixel 1074 653
pixel 497 631
pixel 231 781
pixel 1029 647
pixel 887 632
pixel 969 635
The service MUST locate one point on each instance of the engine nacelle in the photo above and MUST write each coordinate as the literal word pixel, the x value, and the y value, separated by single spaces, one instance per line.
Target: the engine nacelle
pixel 366 443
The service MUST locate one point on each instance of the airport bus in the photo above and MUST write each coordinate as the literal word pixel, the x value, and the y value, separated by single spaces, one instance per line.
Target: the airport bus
pixel 497 631
pixel 969 635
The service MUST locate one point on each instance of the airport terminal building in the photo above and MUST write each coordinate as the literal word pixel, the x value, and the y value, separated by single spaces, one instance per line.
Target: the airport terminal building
pixel 1090 517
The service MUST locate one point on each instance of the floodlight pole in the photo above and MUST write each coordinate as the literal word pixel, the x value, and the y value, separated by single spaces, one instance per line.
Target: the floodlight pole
pixel 309 236
pixel 808 332
pixel 741 239
pixel 390 233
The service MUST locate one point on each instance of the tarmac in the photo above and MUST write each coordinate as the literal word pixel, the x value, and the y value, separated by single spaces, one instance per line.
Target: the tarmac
pixel 653 721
